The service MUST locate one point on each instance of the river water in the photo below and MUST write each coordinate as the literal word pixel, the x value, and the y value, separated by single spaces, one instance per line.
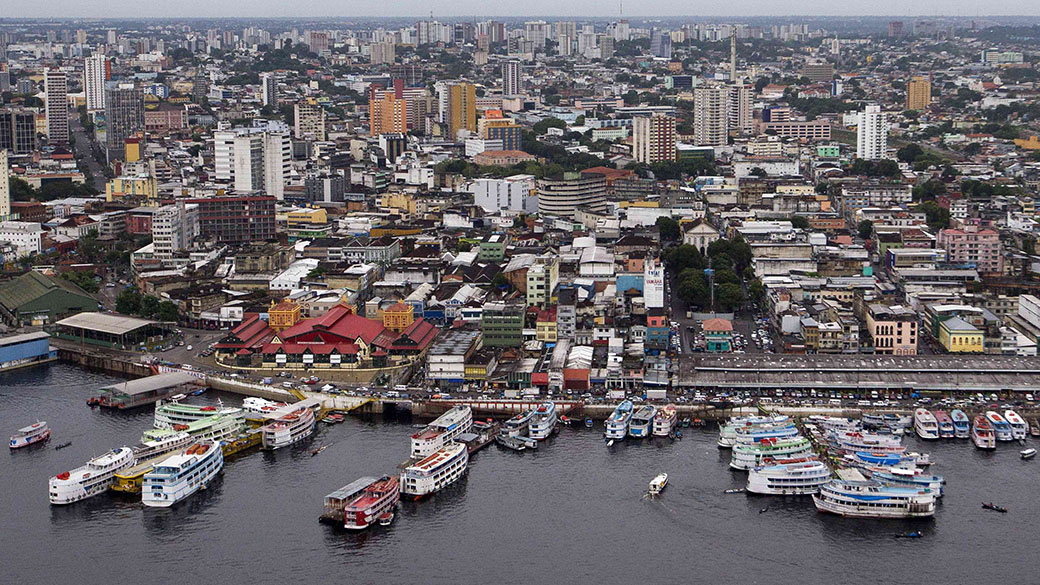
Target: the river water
pixel 570 512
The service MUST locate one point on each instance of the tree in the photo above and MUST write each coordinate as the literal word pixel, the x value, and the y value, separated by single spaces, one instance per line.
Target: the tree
pixel 542 126
pixel 800 221
pixel 938 218
pixel 755 290
pixel 149 306
pixel 729 296
pixel 167 311
pixel 682 257
pixel 668 228
pixel 500 281
pixel 929 190
pixel 84 280
pixel 866 229
pixel 128 302
pixel 909 153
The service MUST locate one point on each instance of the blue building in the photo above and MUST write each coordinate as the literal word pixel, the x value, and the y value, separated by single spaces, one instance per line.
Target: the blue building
pixel 511 136
pixel 18 351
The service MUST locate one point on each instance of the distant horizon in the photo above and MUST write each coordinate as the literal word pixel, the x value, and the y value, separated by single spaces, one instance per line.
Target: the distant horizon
pixel 525 16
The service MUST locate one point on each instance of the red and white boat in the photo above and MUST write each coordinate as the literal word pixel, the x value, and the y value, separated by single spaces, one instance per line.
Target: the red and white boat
pixel 37 432
pixel 376 501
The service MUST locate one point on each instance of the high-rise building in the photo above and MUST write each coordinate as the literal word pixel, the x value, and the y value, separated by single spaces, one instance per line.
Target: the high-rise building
pixel 536 32
pixel 409 73
pixel 269 90
pixel 56 93
pixel 253 160
pixel 199 85
pixel 818 72
pixel 387 114
pixel 653 138
pixel 895 28
pixel 96 72
pixel 711 116
pixel 660 44
pixel 494 126
pixel 174 228
pixel 918 93
pixel 462 113
pixel 564 195
pixel 5 187
pixel 309 120
pixel 393 146
pixel 17 130
pixel 236 219
pixel 124 117
pixel 416 103
pixel 511 77
pixel 871 133
pixel 318 41
pixel 740 115
pixel 381 53
pixel 81 37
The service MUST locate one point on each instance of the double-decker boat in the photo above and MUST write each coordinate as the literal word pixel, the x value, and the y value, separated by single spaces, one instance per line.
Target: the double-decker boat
pixel 946 428
pixel 728 432
pixel 982 433
pixel 289 429
pixel 1019 428
pixel 255 405
pixel 751 435
pixel 161 446
pixel 908 477
pixel 870 499
pixel 519 424
pixel 664 422
pixel 90 480
pixel 642 422
pixel 175 412
pixel 218 427
pixel 543 422
pixel 441 431
pixel 434 472
pixel 925 424
pixel 797 478
pixel 961 424
pixel 617 423
pixel 378 498
pixel 37 432
pixel 748 456
pixel 856 441
pixel 1000 425
pixel 182 474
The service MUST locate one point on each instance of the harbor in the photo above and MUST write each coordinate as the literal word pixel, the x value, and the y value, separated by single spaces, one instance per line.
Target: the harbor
pixel 584 477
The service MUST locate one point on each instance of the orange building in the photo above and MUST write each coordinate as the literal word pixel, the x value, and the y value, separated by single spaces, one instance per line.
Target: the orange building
pixel 398 317
pixel 387 115
pixel 283 315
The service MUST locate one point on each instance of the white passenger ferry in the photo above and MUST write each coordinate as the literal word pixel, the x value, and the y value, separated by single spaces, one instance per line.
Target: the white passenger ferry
pixel 543 422
pixel 642 422
pixel 289 429
pixel 163 445
pixel 664 422
pixel 441 431
pixel 255 405
pixel 801 478
pixel 870 499
pixel 1001 427
pixel 748 456
pixel 925 424
pixel 1019 428
pixel 436 471
pixel 728 431
pixel 91 479
pixel 182 474
pixel 218 427
pixel 617 423
pixel 173 412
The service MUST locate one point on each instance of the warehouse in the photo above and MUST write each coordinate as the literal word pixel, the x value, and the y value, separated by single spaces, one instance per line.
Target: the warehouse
pixel 108 330
pixel 34 299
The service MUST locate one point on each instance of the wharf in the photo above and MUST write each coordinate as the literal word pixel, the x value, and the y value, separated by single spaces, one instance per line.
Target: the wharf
pixel 481 435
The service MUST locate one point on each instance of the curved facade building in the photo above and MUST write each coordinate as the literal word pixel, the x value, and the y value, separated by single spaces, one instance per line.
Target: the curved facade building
pixel 563 195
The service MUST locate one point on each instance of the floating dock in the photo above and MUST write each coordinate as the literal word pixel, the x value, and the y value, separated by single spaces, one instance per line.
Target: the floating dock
pixel 144 391
pixel 336 502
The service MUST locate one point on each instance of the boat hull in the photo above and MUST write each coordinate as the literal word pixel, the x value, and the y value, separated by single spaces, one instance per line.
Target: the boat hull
pixel 21 442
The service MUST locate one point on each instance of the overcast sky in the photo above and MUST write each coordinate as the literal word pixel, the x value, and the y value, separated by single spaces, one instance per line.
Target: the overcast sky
pixel 445 8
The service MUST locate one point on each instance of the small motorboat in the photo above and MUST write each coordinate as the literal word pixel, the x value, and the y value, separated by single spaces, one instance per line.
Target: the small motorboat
pixel 1027 453
pixel 199 391
pixel 678 434
pixel 589 423
pixel 1034 427
pixel 914 534
pixel 734 491
pixel 62 445
pixel 565 420
pixel 610 443
pixel 658 484
pixel 764 510
pixel 318 450
pixel 994 507
pixel 685 422
pixel 386 519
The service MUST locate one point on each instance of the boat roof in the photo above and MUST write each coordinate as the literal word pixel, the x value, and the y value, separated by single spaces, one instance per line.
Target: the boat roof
pixel 33 427
pixel 351 489
pixel 438 457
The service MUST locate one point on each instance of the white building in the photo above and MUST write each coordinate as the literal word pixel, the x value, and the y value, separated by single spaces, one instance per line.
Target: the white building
pixel 475 146
pixel 296 272
pixel 511 77
pixel 653 284
pixel 56 93
pixel 253 159
pixel 25 236
pixel 871 133
pixel 174 228
pixel 269 90
pixel 95 74
pixel 514 193
pixel 740 116
pixel 711 116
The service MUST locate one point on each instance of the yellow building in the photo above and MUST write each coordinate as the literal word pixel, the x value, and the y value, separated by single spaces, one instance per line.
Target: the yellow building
pixel 1033 143
pixel 403 202
pixel 142 188
pixel 133 150
pixel 545 326
pixel 388 115
pixel 463 108
pixel 306 218
pixel 918 93
pixel 283 315
pixel 958 336
pixel 398 317
pixel 396 231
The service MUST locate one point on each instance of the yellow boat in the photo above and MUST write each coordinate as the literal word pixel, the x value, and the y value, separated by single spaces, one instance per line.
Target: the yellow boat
pixel 130 479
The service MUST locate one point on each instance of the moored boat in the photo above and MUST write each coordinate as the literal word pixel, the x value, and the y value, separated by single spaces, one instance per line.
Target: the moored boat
pixel 982 433
pixel 748 456
pixel 543 423
pixel 441 431
pixel 870 499
pixel 961 424
pixel 925 424
pixel 255 405
pixel 617 424
pixel 795 478
pixel 665 421
pixel 218 427
pixel 857 441
pixel 908 477
pixel 1001 428
pixel 946 428
pixel 1034 427
pixel 728 431
pixel 90 480
pixel 377 499
pixel 174 412
pixel 642 421
pixel 435 472
pixel 182 474
pixel 519 424
pixel 288 429
pixel 161 446
pixel 1019 428
pixel 37 432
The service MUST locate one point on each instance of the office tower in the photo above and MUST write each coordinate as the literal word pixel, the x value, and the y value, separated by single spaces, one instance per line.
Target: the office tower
pixel 393 145
pixel 606 46
pixel 124 117
pixel 511 77
pixel 535 31
pixel 96 72
pixel 5 187
pixel 711 116
pixel 818 72
pixel 918 93
pixel 872 133
pixel 740 116
pixel 199 85
pixel 387 114
pixel 17 130
pixel 409 73
pixel 381 53
pixel 653 138
pixel 459 101
pixel 660 44
pixel 174 227
pixel 494 126
pixel 318 41
pixel 111 37
pixel 269 90
pixel 56 92
pixel 81 37
pixel 895 28
pixel 309 118
pixel 566 33
pixel 252 159
pixel 236 219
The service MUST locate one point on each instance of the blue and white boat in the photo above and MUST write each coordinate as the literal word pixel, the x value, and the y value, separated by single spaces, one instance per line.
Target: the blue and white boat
pixel 908 477
pixel 870 499
pixel 519 424
pixel 872 459
pixel 543 422
pixel 617 424
pixel 752 435
pixel 788 479
pixel 182 474
pixel 961 425
pixel 642 423
pixel 1000 426
pixel 728 431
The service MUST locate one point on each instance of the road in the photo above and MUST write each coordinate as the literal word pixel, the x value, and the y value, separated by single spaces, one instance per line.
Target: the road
pixel 82 140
